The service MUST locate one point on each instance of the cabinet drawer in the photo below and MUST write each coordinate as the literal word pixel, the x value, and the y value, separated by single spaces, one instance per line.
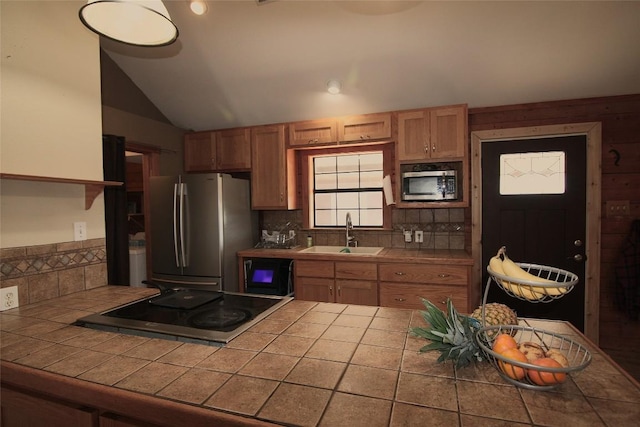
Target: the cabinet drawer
pixel 314 268
pixel 421 273
pixel 356 270
pixel 407 295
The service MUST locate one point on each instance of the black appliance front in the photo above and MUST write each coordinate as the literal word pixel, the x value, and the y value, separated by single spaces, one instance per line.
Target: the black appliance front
pixel 269 276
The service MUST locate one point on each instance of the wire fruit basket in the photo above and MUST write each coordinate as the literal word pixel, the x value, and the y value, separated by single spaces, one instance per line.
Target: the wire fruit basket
pixel 528 375
pixel 527 290
pixel 523 373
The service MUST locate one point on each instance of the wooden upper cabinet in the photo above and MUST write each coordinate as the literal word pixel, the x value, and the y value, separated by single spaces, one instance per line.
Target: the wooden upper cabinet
pixel 413 135
pixel 367 127
pixel 432 134
pixel 313 132
pixel 233 148
pixel 200 152
pixel 218 151
pixel 272 169
pixel 448 132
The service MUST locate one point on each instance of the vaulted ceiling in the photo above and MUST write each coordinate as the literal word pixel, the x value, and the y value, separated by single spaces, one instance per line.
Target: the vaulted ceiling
pixel 244 63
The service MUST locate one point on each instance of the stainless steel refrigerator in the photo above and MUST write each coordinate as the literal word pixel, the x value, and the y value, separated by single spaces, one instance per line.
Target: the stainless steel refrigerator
pixel 198 224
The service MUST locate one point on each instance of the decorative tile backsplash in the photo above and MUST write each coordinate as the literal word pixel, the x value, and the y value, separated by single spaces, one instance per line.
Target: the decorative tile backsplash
pixel 48 271
pixel 442 228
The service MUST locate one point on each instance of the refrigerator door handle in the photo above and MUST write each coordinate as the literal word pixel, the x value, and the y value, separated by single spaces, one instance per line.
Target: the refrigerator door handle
pixel 183 256
pixel 175 224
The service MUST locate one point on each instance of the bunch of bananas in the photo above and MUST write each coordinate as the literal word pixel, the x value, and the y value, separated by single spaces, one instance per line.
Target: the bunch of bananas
pixel 522 285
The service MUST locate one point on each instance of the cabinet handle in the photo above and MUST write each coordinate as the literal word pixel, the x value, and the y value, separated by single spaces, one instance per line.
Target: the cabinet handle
pixel 339 291
pixel 281 197
pixel 433 148
pixel 213 160
pixel 400 299
pixel 330 290
pixel 426 149
pixel 399 273
pixel 313 141
pixel 442 275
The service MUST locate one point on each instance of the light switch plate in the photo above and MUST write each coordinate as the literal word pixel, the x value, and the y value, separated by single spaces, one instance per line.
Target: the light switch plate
pixel 419 236
pixel 407 236
pixel 79 231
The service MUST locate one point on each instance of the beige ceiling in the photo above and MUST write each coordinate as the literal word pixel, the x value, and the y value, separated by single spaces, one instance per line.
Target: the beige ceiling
pixel 245 63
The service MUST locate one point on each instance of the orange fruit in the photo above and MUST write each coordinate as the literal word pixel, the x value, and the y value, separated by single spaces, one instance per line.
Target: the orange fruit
pixel 541 377
pixel 503 342
pixel 515 372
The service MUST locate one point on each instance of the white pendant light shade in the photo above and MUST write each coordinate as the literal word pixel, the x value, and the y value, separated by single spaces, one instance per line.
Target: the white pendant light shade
pixel 135 22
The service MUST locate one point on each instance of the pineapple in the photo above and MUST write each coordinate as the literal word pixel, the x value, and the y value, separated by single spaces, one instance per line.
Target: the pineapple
pixel 496 314
pixel 453 335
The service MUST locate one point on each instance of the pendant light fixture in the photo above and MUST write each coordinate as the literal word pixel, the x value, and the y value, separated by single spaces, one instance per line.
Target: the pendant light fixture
pixel 334 87
pixel 134 22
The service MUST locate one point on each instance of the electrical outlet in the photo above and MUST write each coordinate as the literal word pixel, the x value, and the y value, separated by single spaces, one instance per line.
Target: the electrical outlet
pixel 419 236
pixel 9 298
pixel 79 231
pixel 292 234
pixel 407 236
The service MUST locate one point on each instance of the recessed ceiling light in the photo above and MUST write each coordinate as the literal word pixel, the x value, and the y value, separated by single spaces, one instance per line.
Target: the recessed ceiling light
pixel 333 87
pixel 198 7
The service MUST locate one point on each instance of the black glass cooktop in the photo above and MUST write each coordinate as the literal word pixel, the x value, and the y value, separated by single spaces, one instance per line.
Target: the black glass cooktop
pixel 196 314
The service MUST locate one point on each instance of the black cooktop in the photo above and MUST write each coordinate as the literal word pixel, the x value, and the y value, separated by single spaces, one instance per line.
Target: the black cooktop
pixel 197 314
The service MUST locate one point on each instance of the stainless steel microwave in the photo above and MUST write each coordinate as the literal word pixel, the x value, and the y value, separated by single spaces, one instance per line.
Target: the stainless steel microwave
pixel 426 186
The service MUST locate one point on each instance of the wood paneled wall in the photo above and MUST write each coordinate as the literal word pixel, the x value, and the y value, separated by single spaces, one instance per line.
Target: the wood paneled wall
pixel 620 118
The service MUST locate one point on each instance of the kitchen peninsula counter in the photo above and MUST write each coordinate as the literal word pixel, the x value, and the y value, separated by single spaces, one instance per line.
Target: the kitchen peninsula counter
pixel 306 364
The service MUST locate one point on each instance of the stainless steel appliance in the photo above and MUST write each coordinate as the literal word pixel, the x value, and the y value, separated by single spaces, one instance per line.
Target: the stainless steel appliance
pixel 198 224
pixel 188 315
pixel 429 185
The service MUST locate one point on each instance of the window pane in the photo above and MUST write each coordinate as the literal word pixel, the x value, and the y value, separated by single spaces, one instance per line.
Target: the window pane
pixel 371 161
pixel 326 182
pixel 325 218
pixel 342 217
pixel 324 164
pixel 532 173
pixel 371 218
pixel 349 180
pixel 325 201
pixel 347 201
pixel 348 163
pixel 371 179
pixel 371 199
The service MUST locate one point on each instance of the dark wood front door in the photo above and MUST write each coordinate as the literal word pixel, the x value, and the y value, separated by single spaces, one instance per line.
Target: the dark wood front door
pixel 544 229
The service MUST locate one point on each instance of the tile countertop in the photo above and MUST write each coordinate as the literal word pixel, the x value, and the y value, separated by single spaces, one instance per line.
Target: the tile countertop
pixel 427 256
pixel 307 364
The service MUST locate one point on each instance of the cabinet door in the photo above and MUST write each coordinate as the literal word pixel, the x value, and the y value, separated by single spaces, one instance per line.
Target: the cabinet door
pixel 272 177
pixel 448 132
pixel 200 152
pixel 314 289
pixel 313 132
pixel 233 147
pixel 413 135
pixel 367 127
pixel 20 409
pixel 362 292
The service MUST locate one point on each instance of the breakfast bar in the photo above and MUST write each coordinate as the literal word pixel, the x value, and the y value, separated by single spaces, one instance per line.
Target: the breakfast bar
pixel 306 364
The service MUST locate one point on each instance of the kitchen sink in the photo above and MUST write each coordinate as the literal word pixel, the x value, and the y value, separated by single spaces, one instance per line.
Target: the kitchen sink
pixel 342 250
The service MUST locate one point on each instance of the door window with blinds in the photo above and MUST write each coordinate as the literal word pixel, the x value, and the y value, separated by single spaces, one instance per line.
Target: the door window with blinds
pixel 532 173
pixel 348 183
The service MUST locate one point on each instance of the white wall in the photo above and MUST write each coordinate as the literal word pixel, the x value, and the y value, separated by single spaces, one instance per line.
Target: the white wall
pixel 143 130
pixel 50 121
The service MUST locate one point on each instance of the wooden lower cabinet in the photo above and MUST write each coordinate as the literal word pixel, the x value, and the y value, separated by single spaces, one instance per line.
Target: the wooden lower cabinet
pixel 26 409
pixel 403 285
pixel 398 285
pixel 339 282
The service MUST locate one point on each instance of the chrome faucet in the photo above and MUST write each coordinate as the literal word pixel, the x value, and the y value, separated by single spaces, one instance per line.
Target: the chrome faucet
pixel 349 226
